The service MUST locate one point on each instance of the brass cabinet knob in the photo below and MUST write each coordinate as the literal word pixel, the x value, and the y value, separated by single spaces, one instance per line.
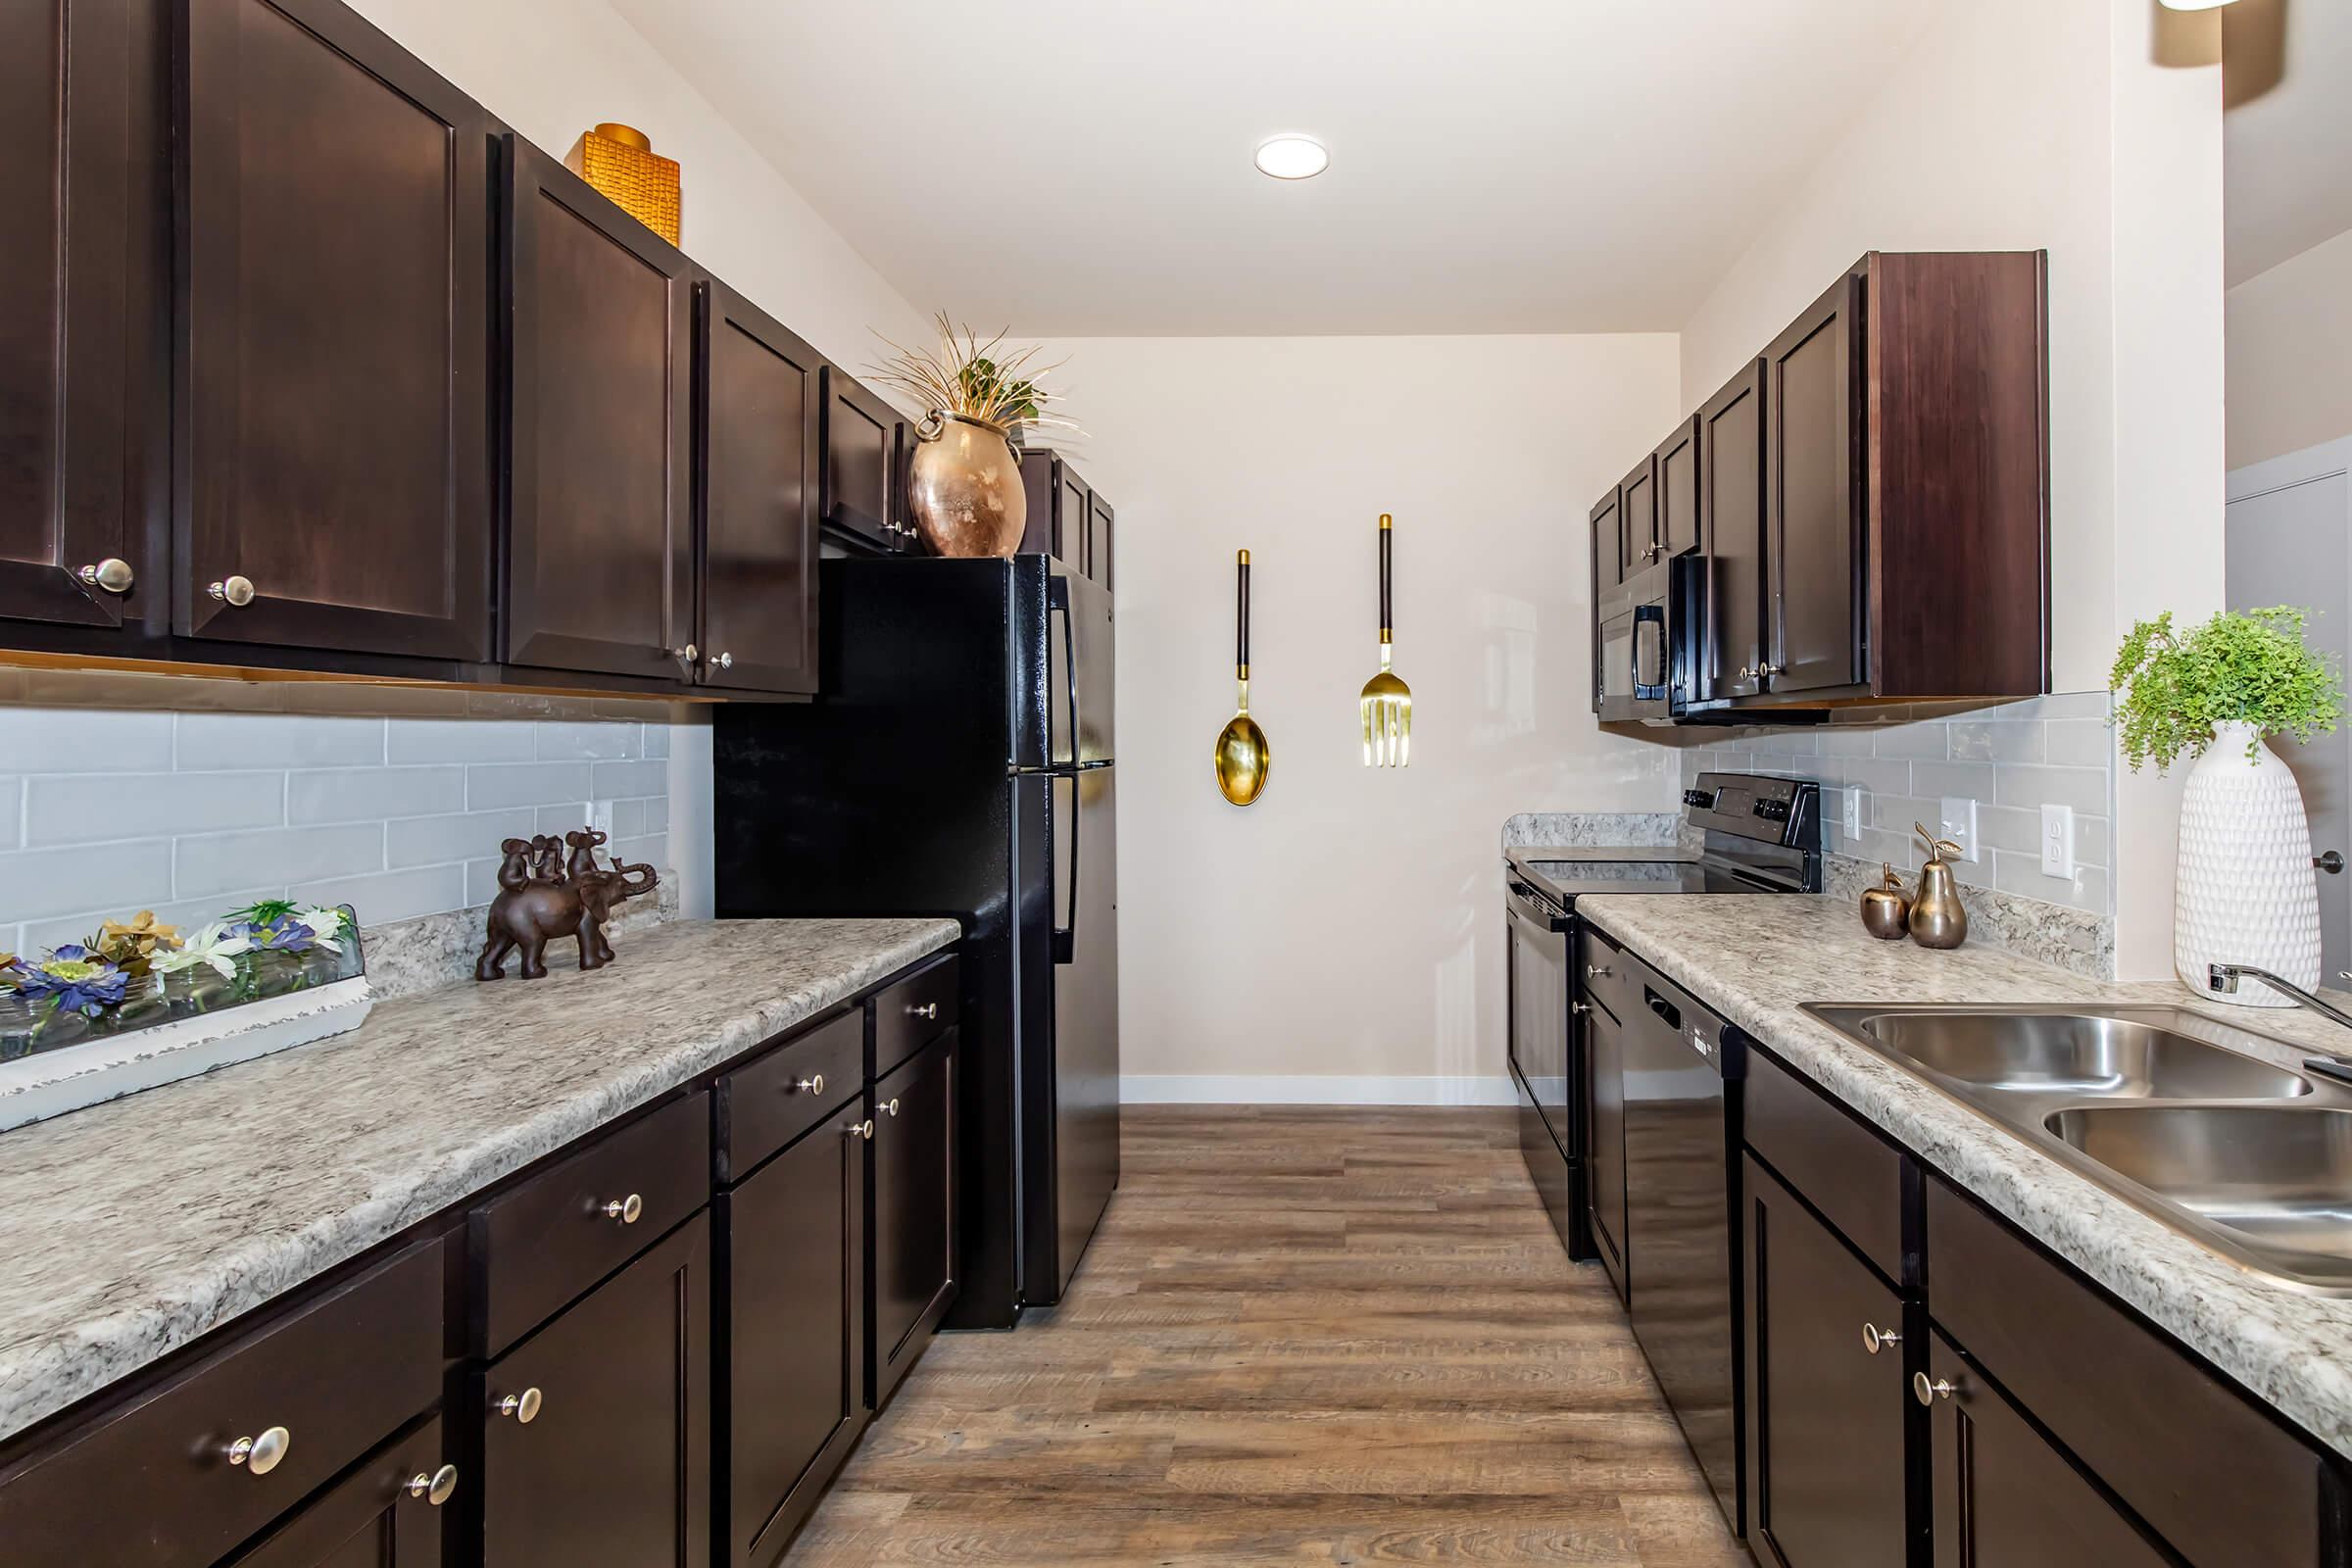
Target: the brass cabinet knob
pixel 893 1107
pixel 812 1085
pixel 1876 1339
pixel 234 592
pixel 263 1453
pixel 625 1209
pixel 929 1010
pixel 435 1487
pixel 724 660
pixel 111 574
pixel 860 1129
pixel 1579 1008
pixel 1927 1392
pixel 1596 972
pixel 524 1407
pixel 686 656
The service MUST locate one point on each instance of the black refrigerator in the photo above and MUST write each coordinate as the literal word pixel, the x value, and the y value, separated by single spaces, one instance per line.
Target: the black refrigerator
pixel 959 762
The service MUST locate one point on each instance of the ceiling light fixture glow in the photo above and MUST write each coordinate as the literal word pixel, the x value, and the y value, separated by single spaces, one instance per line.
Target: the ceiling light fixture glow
pixel 2193 5
pixel 1292 157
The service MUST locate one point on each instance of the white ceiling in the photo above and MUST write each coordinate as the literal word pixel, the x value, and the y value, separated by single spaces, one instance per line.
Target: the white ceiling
pixel 2287 153
pixel 1083 167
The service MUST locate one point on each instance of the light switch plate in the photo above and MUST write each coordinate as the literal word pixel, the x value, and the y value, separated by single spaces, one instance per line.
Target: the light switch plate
pixel 2057 840
pixel 1960 824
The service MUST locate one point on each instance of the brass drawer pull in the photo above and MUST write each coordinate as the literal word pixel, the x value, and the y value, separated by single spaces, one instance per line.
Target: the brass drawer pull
pixel 235 592
pixel 524 1407
pixel 860 1129
pixel 435 1487
pixel 810 1086
pixel 893 1107
pixel 1876 1339
pixel 113 574
pixel 1927 1392
pixel 625 1209
pixel 929 1010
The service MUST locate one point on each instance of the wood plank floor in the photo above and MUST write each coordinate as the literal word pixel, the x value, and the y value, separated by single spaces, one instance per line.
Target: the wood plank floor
pixel 1301 1336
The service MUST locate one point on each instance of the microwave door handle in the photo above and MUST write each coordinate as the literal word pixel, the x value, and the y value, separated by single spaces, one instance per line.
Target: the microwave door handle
pixel 1065 936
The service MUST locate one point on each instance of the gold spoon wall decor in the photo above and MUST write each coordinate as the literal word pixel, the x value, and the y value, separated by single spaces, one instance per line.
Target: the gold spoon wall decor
pixel 1243 757
pixel 1387 704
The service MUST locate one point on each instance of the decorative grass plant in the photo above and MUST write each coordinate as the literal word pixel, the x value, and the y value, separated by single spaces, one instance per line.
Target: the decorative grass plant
pixel 974 379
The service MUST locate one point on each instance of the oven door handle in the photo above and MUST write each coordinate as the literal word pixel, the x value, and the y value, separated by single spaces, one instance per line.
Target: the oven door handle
pixel 1537 916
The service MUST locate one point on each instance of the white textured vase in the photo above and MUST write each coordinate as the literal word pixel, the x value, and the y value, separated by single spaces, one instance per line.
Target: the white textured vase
pixel 2246 892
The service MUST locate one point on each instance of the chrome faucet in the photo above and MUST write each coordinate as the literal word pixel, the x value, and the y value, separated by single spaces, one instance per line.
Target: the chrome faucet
pixel 2224 978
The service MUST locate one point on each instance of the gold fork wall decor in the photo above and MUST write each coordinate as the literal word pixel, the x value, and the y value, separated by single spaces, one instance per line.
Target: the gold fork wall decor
pixel 1387 705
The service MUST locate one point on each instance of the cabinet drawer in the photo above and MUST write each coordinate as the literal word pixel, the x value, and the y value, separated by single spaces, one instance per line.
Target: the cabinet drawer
pixel 2220 1479
pixel 912 1013
pixel 383 1515
pixel 767 1104
pixel 1839 1166
pixel 544 1241
pixel 1605 973
pixel 152 1485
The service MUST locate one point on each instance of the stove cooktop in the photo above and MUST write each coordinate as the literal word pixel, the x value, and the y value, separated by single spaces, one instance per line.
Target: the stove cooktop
pixel 1567 880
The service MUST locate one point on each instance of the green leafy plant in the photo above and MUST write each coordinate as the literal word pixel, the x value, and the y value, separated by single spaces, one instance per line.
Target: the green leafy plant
pixel 2240 667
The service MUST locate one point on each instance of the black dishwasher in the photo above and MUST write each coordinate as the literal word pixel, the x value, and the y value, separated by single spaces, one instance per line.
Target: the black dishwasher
pixel 1680 1202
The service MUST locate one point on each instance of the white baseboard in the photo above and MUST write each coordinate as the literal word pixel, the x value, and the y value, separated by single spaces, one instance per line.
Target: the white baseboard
pixel 1312 1089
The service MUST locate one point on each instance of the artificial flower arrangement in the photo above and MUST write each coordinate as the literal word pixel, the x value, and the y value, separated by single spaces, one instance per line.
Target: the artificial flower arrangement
pixel 135 973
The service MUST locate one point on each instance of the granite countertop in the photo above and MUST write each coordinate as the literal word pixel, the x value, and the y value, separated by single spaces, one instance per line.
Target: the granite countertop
pixel 1757 960
pixel 133 1227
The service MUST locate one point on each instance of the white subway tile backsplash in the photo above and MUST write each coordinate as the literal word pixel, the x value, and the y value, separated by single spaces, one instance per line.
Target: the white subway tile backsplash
pixel 372 794
pixel 278 740
pixel 656 740
pixel 83 740
pixel 1925 742
pixel 628 819
pixel 1931 781
pixel 214 862
pixel 93 807
pixel 569 741
pixel 2080 743
pixel 39 884
pixel 390 895
pixel 464 740
pixel 490 784
pixel 634 779
pixel 2085 789
pixel 2006 742
pixel 11 821
pixel 657 814
pixel 448 840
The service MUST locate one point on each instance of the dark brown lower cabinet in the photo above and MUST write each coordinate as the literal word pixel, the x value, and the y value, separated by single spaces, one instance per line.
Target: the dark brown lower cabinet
pixel 791 1333
pixel 388 1513
pixel 1605 1118
pixel 1825 1416
pixel 2003 1496
pixel 915 1261
pixel 613 1465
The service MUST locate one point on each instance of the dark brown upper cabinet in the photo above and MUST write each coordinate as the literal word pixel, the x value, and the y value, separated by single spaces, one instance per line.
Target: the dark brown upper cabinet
pixel 1639 497
pixel 1907 484
pixel 65 115
pixel 759 401
pixel 599 542
pixel 1060 507
pixel 1098 549
pixel 1731 512
pixel 332 411
pixel 860 483
pixel 1608 545
pixel 1675 463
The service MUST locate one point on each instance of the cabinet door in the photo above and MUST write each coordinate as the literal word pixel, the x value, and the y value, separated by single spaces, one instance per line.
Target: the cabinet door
pixel 1813 515
pixel 759 420
pixel 600 553
pixel 916 1257
pixel 1678 463
pixel 388 1513
pixel 1099 540
pixel 793 1330
pixel 1608 542
pixel 65 117
pixel 1604 1122
pixel 1825 1413
pixel 860 436
pixel 614 1465
pixel 1640 525
pixel 333 444
pixel 1073 510
pixel 1730 510
pixel 2004 1495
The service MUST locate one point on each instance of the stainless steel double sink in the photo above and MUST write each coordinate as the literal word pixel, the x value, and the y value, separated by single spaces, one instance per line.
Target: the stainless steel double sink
pixel 2159 1105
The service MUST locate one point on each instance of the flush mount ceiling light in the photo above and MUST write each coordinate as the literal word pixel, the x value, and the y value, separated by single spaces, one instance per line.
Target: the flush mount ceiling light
pixel 2193 5
pixel 1292 157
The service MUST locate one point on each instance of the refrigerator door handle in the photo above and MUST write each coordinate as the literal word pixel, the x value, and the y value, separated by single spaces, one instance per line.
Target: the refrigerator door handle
pixel 1057 603
pixel 1066 937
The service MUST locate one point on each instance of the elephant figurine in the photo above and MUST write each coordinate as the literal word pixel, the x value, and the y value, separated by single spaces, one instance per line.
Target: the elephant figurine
pixel 542 897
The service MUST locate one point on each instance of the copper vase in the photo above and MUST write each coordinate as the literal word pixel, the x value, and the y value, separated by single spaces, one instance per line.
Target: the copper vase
pixel 964 484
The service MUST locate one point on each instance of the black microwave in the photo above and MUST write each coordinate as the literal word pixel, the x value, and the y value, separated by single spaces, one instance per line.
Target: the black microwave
pixel 1650 627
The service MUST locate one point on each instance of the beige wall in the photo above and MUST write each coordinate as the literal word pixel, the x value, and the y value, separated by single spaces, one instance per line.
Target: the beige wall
pixel 1349 924
pixel 2052 124
pixel 553 68
pixel 2290 355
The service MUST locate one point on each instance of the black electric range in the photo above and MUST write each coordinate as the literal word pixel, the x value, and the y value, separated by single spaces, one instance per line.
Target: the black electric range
pixel 1757 835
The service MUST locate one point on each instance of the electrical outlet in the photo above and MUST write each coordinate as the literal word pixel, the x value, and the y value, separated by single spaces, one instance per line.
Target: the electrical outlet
pixel 1851 809
pixel 2058 841
pixel 1960 824
pixel 600 818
